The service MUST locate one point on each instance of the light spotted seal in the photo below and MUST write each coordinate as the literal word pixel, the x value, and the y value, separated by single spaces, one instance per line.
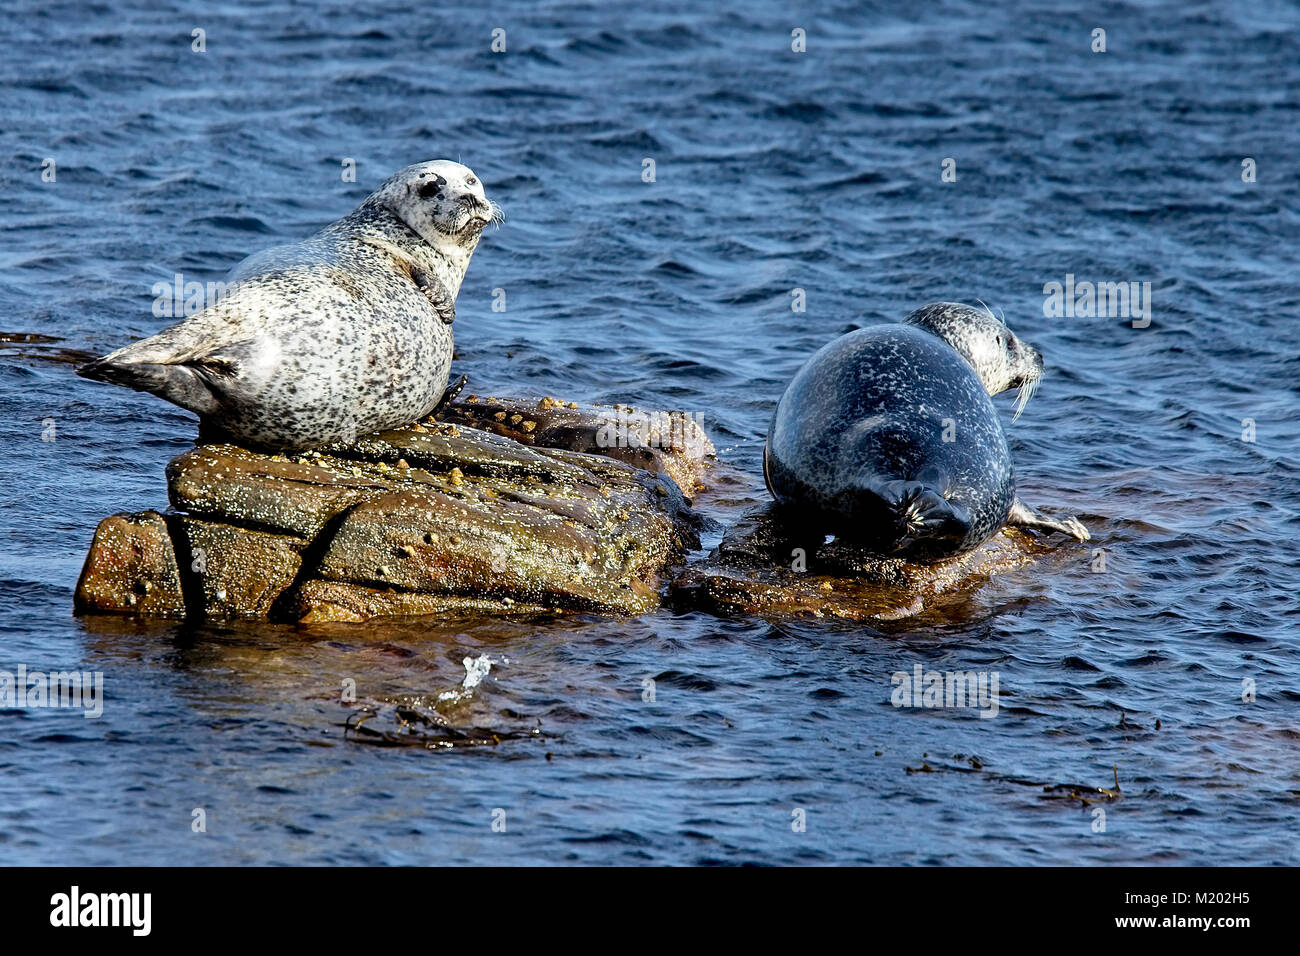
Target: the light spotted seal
pixel 887 436
pixel 342 334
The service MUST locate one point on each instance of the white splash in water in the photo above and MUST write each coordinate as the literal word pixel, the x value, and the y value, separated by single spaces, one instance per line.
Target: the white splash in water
pixel 476 668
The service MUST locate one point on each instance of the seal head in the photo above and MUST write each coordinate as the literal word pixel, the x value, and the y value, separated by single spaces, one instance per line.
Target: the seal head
pixel 442 202
pixel 998 357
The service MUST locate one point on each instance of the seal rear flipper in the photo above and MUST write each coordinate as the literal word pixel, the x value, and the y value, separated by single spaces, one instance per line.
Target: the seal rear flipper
pixel 919 519
pixel 186 384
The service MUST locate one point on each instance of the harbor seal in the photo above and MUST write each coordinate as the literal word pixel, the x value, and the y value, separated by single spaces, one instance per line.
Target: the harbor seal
pixel 344 333
pixel 888 437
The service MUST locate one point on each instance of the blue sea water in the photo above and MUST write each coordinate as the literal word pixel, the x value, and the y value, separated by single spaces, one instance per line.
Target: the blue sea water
pixel 774 171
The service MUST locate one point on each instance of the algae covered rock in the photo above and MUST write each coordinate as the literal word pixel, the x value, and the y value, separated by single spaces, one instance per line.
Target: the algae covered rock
pixel 668 443
pixel 429 519
pixel 766 565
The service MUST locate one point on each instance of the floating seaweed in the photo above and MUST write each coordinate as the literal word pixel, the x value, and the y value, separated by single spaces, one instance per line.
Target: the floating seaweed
pixel 1085 794
pixel 408 725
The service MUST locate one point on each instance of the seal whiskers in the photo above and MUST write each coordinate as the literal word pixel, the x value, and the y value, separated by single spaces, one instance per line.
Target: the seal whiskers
pixel 1024 395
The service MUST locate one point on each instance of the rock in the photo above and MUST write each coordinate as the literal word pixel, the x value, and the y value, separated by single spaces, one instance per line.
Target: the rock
pixel 320 602
pixel 667 443
pixel 435 518
pixel 763 566
pixel 237 571
pixel 270 492
pixel 131 567
pixel 548 506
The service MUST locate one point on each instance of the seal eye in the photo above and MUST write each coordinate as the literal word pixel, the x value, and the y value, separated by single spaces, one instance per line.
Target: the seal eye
pixel 470 181
pixel 999 341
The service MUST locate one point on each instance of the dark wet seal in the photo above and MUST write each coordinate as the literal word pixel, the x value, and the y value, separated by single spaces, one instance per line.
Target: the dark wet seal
pixel 888 435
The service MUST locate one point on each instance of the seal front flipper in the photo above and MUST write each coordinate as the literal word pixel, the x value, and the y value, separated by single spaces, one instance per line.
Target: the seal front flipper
pixel 440 297
pixel 1023 516
pixel 443 302
pixel 448 396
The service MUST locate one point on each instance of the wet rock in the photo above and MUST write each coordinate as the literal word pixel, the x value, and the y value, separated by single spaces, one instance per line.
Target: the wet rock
pixel 429 519
pixel 236 571
pixel 667 443
pixel 322 602
pixel 766 566
pixel 295 497
pixel 131 567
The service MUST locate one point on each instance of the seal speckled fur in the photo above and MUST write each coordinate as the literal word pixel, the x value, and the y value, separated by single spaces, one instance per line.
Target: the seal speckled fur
pixel 857 444
pixel 342 334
